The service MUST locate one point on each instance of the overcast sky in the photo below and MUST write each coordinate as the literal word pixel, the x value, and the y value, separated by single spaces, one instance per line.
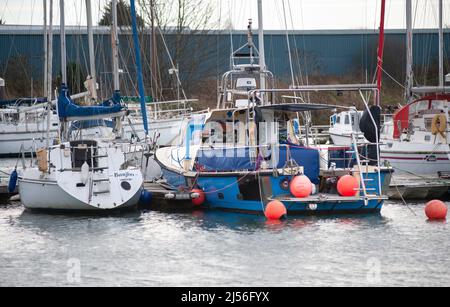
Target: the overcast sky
pixel 301 14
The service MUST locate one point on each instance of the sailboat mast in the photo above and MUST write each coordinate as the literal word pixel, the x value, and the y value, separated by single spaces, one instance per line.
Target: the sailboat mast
pixel 50 52
pixel 114 45
pixel 262 56
pixel 63 42
pixel 45 46
pixel 409 52
pixel 49 71
pixel 137 50
pixel 93 71
pixel 441 45
pixel 153 55
pixel 381 52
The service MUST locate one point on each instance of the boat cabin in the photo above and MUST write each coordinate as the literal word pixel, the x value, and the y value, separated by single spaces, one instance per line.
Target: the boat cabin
pixel 419 117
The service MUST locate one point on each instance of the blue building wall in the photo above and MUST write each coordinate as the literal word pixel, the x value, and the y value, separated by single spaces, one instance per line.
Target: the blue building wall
pixel 316 52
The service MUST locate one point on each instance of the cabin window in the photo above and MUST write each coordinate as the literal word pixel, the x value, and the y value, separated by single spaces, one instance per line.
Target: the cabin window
pixel 437 105
pixel 428 124
pixel 422 106
pixel 338 120
pixel 84 151
pixel 347 120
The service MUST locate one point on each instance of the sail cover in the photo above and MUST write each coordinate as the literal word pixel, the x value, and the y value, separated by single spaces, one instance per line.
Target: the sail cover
pixel 68 110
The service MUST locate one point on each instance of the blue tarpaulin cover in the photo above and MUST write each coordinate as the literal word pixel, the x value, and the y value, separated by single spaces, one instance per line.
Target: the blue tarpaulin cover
pixel 67 108
pixel 225 160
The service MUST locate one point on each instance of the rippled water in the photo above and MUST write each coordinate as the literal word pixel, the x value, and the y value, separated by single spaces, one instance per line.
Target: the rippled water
pixel 142 248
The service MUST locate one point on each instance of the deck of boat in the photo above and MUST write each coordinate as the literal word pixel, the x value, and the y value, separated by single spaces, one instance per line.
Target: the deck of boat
pixel 414 187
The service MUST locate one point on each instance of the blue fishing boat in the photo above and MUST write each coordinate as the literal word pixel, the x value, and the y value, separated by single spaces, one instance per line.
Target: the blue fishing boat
pixel 248 152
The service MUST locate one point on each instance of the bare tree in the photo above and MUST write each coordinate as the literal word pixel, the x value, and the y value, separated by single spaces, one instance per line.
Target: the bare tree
pixel 181 22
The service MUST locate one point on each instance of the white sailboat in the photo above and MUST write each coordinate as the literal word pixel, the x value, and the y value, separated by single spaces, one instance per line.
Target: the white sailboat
pixel 418 135
pixel 23 126
pixel 83 174
pixel 24 122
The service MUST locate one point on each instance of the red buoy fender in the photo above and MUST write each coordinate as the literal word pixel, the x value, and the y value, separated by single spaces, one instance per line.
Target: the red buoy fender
pixel 348 186
pixel 275 210
pixel 301 186
pixel 199 200
pixel 436 210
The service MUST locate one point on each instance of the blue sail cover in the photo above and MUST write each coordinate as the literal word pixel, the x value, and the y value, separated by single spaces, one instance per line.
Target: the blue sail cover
pixel 68 109
pixel 213 160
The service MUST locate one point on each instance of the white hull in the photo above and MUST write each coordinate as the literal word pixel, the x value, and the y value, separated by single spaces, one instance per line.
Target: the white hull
pixel 417 159
pixel 47 195
pixel 68 182
pixel 12 142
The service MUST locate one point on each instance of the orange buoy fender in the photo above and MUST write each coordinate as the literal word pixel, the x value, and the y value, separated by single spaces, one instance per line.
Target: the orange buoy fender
pixel 301 186
pixel 275 210
pixel 348 186
pixel 199 200
pixel 436 210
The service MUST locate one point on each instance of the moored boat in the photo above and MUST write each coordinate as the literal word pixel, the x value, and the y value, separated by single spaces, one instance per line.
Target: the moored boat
pixel 83 174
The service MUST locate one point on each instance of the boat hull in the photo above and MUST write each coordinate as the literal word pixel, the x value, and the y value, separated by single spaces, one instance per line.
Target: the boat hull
pixel 242 193
pixel 344 140
pixel 430 160
pixel 237 193
pixel 47 195
pixel 12 143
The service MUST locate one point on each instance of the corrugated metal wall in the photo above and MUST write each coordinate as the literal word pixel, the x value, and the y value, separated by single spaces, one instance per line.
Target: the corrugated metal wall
pixel 319 53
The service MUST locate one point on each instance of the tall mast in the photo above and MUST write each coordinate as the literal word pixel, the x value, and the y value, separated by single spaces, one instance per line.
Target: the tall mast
pixel 137 50
pixel 50 53
pixel 381 52
pixel 441 45
pixel 63 42
pixel 49 71
pixel 45 47
pixel 409 52
pixel 114 45
pixel 154 73
pixel 93 72
pixel 262 56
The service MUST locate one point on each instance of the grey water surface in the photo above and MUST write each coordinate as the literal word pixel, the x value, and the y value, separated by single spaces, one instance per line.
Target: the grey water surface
pixel 145 248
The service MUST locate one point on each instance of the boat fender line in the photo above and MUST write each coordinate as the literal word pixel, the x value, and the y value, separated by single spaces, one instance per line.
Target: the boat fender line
pixel 13 181
pixel 439 125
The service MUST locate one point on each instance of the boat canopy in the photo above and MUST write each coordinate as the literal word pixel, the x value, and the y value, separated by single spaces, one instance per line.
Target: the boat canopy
pixel 403 116
pixel 68 110
pixel 239 159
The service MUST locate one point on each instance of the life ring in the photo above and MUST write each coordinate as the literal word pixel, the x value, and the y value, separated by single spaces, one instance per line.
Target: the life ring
pixel 439 125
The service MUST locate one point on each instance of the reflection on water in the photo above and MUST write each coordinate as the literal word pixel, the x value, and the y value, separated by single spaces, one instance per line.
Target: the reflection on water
pixel 222 249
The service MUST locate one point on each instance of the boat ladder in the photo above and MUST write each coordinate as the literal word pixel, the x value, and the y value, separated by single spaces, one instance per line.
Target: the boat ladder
pixel 364 180
pixel 102 181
